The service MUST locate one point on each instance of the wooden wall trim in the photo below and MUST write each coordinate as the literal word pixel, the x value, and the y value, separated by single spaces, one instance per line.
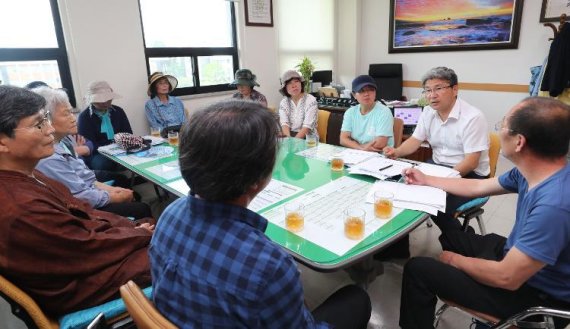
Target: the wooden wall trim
pixel 500 87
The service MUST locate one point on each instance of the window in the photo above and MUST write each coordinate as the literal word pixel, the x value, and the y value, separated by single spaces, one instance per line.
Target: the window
pixel 295 27
pixel 32 46
pixel 193 40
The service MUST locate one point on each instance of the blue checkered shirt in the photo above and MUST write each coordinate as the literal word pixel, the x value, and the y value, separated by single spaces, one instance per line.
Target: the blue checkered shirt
pixel 213 267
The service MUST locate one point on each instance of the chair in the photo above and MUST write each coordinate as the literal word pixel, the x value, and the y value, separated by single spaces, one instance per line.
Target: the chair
pixel 322 125
pixel 141 309
pixel 389 79
pixel 474 208
pixel 25 308
pixel 515 321
pixel 333 128
pixel 398 131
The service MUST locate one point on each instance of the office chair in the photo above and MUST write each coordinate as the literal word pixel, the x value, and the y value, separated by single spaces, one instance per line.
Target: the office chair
pixel 26 309
pixel 141 309
pixel 474 208
pixel 514 321
pixel 398 131
pixel 324 77
pixel 333 129
pixel 322 125
pixel 389 79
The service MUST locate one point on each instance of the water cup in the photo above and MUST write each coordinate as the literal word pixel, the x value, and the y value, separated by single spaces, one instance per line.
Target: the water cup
pixel 383 204
pixel 155 131
pixel 337 163
pixel 354 223
pixel 294 216
pixel 311 140
pixel 173 138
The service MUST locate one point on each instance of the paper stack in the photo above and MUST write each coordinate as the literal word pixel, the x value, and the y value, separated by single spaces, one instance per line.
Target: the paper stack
pixel 111 149
pixel 380 167
pixel 423 198
pixel 436 170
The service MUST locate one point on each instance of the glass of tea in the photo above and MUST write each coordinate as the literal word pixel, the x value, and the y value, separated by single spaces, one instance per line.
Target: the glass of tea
pixel 173 138
pixel 383 204
pixel 155 131
pixel 311 140
pixel 354 223
pixel 337 163
pixel 294 216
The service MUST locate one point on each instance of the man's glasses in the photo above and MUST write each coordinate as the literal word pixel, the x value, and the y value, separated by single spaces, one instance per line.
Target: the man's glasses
pixel 501 125
pixel 42 124
pixel 436 90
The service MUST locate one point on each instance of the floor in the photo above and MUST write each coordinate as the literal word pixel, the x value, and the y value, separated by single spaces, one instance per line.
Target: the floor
pixel 385 290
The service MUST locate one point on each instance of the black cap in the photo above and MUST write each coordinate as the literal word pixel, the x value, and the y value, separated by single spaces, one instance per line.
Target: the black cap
pixel 362 81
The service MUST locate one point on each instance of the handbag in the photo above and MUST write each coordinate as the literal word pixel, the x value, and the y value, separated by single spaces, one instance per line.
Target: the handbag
pixel 132 143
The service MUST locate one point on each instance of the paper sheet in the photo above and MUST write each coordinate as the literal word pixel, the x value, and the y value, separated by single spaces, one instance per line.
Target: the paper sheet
pixel 436 170
pixel 274 192
pixel 179 186
pixel 168 171
pixel 324 220
pixel 321 152
pixel 380 167
pixel 424 198
pixel 352 157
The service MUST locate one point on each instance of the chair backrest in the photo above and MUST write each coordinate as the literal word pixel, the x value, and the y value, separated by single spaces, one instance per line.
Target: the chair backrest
pixel 398 131
pixel 322 125
pixel 389 79
pixel 141 309
pixel 22 303
pixel 333 129
pixel 494 149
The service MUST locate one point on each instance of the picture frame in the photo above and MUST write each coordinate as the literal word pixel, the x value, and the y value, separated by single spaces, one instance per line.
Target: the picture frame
pixel 258 12
pixel 435 25
pixel 552 10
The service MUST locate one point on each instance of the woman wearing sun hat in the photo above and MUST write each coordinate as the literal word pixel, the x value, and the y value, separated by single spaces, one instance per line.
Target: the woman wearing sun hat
pixel 245 82
pixel 163 110
pixel 298 110
pixel 100 121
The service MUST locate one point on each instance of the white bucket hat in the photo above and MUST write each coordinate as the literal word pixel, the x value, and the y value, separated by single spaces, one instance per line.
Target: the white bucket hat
pixel 100 92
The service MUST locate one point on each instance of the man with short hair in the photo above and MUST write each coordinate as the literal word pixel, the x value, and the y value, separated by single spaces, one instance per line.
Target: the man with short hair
pixel 63 253
pixel 492 274
pixel 457 133
pixel 368 126
pixel 212 265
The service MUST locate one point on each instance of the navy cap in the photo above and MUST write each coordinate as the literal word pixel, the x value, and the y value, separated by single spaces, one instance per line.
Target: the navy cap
pixel 362 81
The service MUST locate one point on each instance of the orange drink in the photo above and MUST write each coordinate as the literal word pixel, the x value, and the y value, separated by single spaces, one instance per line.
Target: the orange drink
pixel 294 217
pixel 311 140
pixel 337 163
pixel 383 204
pixel 354 223
pixel 155 131
pixel 173 138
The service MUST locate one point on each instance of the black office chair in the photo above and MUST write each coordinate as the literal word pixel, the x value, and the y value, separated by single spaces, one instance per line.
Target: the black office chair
pixel 389 79
pixel 324 77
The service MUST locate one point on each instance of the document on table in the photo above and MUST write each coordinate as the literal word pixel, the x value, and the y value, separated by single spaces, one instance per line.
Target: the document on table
pixel 274 192
pixel 155 140
pixel 111 149
pixel 352 157
pixel 324 218
pixel 180 186
pixel 167 171
pixel 423 198
pixel 380 167
pixel 436 170
pixel 322 152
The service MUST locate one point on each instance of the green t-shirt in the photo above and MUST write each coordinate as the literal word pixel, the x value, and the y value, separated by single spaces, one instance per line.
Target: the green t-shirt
pixel 364 128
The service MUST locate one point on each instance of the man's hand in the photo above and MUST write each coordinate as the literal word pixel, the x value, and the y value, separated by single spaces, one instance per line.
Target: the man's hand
pixel 414 176
pixel 390 152
pixel 146 226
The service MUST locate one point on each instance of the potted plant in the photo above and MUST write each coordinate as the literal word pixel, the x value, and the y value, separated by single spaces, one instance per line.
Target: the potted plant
pixel 306 68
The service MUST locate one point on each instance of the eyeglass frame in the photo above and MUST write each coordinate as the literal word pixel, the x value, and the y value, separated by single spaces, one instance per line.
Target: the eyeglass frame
pixel 40 125
pixel 435 90
pixel 500 125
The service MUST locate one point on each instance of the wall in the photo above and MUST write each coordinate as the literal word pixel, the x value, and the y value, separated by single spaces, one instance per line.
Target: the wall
pixel 483 66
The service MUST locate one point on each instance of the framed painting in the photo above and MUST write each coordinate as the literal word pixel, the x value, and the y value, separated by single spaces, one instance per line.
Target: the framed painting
pixel 553 9
pixel 434 25
pixel 258 12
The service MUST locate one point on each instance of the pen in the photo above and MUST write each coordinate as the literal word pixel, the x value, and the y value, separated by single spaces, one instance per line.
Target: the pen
pixel 386 167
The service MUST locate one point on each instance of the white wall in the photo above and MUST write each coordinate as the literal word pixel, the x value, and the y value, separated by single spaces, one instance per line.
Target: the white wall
pixel 104 40
pixel 510 66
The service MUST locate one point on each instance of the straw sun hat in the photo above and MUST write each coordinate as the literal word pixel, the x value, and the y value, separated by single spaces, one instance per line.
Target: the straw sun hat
pixel 157 76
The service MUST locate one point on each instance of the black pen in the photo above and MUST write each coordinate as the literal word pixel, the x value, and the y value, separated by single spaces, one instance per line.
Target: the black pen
pixel 386 167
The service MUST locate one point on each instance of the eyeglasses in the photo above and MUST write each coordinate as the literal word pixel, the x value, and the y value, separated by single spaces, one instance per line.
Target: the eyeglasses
pixel 501 125
pixel 436 90
pixel 41 125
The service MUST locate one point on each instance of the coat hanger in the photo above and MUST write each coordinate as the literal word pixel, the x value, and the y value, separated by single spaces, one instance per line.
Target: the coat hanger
pixel 555 29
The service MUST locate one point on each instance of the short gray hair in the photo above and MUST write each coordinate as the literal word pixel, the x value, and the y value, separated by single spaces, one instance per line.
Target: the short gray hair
pixel 53 97
pixel 442 73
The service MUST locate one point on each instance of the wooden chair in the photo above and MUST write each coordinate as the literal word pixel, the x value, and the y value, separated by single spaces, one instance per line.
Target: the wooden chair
pixel 322 125
pixel 141 309
pixel 398 131
pixel 25 308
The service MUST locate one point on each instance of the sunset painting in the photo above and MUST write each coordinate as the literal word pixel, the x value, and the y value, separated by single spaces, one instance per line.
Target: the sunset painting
pixel 426 25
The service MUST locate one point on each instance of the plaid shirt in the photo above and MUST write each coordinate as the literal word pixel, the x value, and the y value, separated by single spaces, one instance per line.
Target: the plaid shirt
pixel 213 267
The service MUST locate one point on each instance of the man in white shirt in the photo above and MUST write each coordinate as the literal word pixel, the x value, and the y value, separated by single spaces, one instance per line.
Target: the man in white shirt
pixel 456 131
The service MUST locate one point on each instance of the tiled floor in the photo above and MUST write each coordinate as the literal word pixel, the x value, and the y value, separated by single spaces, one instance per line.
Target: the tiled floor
pixel 385 290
